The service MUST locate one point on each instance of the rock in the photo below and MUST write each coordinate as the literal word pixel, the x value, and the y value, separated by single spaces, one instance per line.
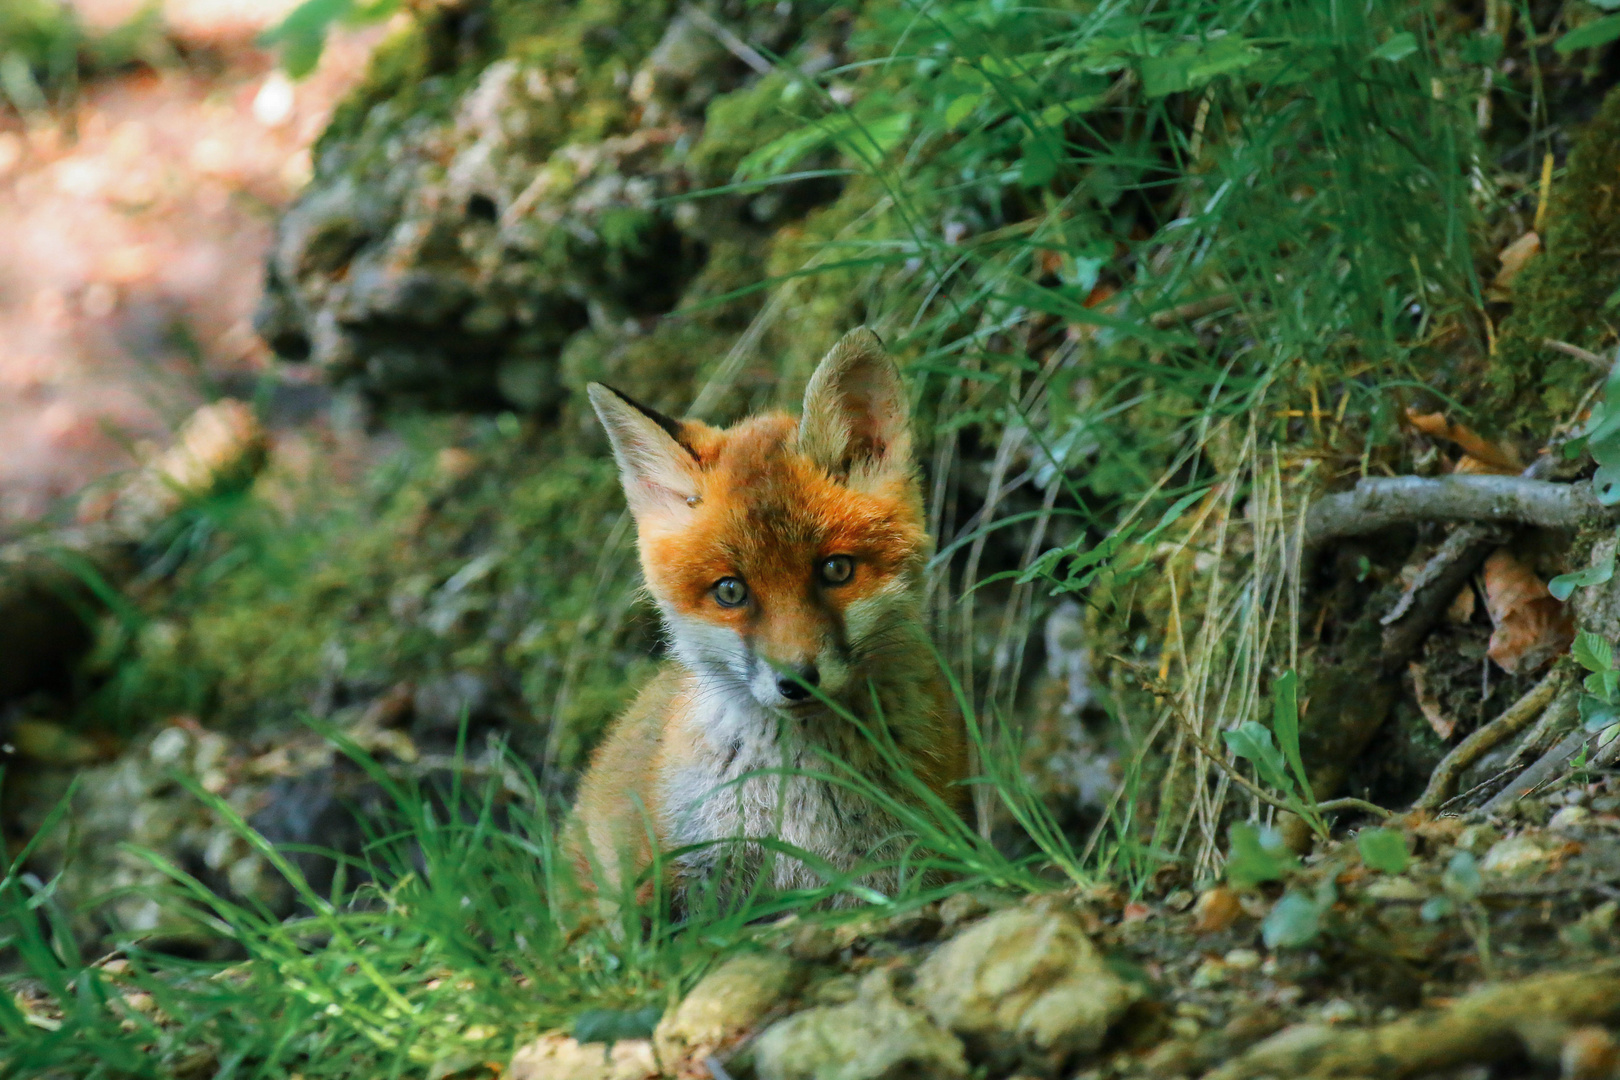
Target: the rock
pixel 1024 987
pixel 729 1002
pixel 874 1037
pixel 557 1057
pixel 1515 856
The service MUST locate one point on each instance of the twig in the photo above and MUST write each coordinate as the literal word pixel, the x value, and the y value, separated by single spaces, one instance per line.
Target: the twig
pixel 1578 353
pixel 1435 586
pixel 1443 781
pixel 1376 503
pixel 1192 309
pixel 735 45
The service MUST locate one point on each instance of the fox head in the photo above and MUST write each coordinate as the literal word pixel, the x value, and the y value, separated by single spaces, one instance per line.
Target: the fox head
pixel 783 553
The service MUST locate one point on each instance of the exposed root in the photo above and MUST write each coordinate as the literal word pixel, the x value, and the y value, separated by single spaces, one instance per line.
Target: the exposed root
pixel 1436 584
pixel 1443 781
pixel 1537 1017
pixel 1378 503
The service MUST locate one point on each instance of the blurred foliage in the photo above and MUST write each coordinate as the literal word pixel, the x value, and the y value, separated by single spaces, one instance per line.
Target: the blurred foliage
pixel 44 50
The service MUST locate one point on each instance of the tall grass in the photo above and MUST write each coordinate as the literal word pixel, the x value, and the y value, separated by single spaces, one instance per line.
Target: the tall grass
pixel 1134 249
pixel 456 931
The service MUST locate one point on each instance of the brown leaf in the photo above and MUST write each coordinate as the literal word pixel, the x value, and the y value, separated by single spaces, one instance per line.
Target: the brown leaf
pixel 1462 606
pixel 1488 456
pixel 1514 256
pixel 1216 910
pixel 1532 628
pixel 1429 702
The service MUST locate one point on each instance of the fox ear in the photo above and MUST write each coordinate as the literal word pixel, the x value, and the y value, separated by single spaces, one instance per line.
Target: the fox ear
pixel 656 468
pixel 855 421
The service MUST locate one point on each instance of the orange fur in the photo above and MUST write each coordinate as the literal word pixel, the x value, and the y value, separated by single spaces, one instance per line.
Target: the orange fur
pixel 765 504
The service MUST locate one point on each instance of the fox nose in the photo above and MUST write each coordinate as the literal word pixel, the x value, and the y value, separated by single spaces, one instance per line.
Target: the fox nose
pixel 798 689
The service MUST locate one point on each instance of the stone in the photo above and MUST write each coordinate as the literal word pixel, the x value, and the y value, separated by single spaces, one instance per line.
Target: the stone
pixel 1515 856
pixel 1025 988
pixel 874 1037
pixel 558 1057
pixel 726 1004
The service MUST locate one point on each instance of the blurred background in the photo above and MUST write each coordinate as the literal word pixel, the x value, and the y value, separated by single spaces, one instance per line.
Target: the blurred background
pixel 144 155
pixel 301 505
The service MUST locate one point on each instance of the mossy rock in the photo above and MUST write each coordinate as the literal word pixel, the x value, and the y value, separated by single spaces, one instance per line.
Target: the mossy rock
pixel 1570 292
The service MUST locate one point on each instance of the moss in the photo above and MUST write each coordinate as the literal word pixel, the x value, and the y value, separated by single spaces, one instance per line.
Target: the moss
pixel 477 547
pixel 1565 293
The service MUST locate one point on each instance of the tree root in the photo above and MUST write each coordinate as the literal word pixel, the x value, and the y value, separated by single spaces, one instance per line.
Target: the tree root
pixel 1435 586
pixel 1376 503
pixel 1535 1016
pixel 1443 781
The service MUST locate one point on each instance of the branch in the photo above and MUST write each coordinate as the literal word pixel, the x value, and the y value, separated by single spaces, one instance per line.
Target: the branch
pixel 1376 503
pixel 1443 781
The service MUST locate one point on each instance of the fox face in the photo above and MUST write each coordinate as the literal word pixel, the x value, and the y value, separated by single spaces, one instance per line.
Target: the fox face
pixel 784 555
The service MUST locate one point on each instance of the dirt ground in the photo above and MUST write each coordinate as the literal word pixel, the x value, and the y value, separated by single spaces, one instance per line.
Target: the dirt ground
pixel 132 234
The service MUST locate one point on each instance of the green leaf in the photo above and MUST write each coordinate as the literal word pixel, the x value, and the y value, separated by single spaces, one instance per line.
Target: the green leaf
pixel 1285 722
pixel 1608 735
pixel 1397 48
pixel 1613 301
pixel 1382 849
pixel 1461 878
pixel 961 107
pixel 1252 742
pixel 1597 574
pixel 1606 481
pixel 1256 855
pixel 1189 65
pixel 1053 115
pixel 611 1025
pixel 1293 921
pixel 1591 651
pixel 1436 908
pixel 1593 34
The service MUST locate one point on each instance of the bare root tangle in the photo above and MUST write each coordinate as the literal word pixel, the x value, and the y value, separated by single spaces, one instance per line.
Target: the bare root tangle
pixel 1436 584
pixel 1531 1016
pixel 1443 781
pixel 1376 503
pixel 1551 766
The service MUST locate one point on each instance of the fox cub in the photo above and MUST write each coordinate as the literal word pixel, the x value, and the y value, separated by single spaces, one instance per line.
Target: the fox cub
pixel 786 558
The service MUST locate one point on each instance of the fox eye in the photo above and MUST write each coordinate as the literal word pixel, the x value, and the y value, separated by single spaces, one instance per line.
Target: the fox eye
pixel 837 569
pixel 730 592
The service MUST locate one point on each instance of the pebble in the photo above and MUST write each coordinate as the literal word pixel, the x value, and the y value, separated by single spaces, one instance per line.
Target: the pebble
pixel 725 1005
pixel 874 1037
pixel 1025 987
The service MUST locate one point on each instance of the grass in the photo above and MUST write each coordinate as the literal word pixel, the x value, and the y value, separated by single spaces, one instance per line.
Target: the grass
pixel 454 934
pixel 1161 271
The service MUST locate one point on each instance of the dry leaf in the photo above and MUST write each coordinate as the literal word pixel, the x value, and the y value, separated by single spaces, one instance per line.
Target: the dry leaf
pixel 1487 456
pixel 1429 702
pixel 1514 256
pixel 1532 628
pixel 1461 611
pixel 1216 910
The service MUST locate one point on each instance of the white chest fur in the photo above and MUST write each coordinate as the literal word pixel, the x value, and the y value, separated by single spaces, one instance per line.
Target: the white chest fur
pixel 745 784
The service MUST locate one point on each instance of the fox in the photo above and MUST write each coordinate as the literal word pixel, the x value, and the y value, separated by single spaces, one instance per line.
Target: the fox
pixel 786 559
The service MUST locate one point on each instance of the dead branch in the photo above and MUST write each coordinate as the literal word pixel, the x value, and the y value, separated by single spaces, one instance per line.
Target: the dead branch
pixel 1578 353
pixel 1435 586
pixel 1377 503
pixel 1530 1016
pixel 1443 781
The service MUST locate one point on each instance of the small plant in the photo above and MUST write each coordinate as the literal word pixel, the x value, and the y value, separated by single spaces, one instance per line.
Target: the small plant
pixel 1280 769
pixel 1600 704
pixel 1383 850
